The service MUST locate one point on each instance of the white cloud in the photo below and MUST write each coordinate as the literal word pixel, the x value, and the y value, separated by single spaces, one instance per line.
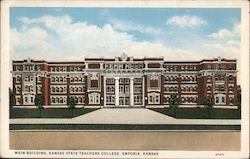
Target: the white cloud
pixel 225 34
pixel 227 39
pixel 32 42
pixel 132 26
pixel 54 38
pixel 186 21
pixel 59 38
pixel 226 42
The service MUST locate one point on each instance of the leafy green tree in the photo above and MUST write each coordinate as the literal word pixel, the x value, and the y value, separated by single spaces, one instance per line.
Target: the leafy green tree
pixel 39 103
pixel 174 103
pixel 11 101
pixel 208 101
pixel 11 98
pixel 71 104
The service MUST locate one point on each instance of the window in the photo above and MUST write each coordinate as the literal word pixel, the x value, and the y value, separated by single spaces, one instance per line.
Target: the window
pixel 39 89
pixel 220 99
pixel 127 89
pixel 38 68
pixel 231 100
pixel 208 77
pixel 94 83
pixel 216 66
pixel 216 76
pixel 18 79
pixel 53 89
pixel 121 89
pixel 230 67
pixel 217 100
pixel 154 98
pixel 230 78
pixel 154 83
pixel 126 81
pixel 209 67
pixel 94 98
pixel 209 88
pixel 18 100
pixel 183 99
pixel 18 89
pixel 39 79
pixel 222 66
pixel 138 89
pixel 222 88
pixel 223 99
pixel 110 99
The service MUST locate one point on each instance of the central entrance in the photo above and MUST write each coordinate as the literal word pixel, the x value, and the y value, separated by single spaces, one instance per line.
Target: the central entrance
pixel 123 91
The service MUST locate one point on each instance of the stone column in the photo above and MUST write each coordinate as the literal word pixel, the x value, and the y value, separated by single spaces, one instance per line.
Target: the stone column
pixel 131 91
pixel 143 91
pixel 116 91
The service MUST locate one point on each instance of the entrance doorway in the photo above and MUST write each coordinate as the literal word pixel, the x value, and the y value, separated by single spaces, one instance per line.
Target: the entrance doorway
pixel 123 101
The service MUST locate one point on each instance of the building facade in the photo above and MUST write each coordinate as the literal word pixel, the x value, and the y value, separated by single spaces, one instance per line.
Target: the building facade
pixel 125 82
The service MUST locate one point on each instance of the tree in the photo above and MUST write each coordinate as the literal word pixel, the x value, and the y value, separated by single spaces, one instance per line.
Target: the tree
pixel 11 98
pixel 71 104
pixel 173 103
pixel 11 101
pixel 39 103
pixel 208 101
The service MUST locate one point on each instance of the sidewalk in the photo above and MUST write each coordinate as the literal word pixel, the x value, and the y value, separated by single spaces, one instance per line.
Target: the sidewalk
pixel 126 116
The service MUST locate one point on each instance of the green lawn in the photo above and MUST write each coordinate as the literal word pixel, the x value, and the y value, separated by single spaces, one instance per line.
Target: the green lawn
pixel 200 113
pixel 120 127
pixel 48 113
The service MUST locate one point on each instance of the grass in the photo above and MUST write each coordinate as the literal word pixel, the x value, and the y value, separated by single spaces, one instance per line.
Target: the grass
pixel 48 113
pixel 200 113
pixel 120 127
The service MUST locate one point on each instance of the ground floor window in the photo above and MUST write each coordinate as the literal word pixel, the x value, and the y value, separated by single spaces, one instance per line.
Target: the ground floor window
pixel 154 98
pixel 58 100
pixel 220 99
pixel 110 99
pixel 18 100
pixel 29 99
pixel 138 100
pixel 94 98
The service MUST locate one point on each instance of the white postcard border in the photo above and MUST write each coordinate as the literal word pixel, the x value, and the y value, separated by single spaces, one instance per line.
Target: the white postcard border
pixel 244 67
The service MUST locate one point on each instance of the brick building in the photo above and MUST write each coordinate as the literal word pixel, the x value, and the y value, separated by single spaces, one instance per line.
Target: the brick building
pixel 125 81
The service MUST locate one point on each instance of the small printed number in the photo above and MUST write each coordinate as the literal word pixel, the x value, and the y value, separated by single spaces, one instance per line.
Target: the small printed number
pixel 219 154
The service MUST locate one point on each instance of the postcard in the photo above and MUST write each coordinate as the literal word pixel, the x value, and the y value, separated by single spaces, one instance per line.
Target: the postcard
pixel 125 79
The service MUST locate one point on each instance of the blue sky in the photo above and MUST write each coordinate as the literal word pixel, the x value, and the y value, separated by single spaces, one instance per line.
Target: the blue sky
pixel 70 33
